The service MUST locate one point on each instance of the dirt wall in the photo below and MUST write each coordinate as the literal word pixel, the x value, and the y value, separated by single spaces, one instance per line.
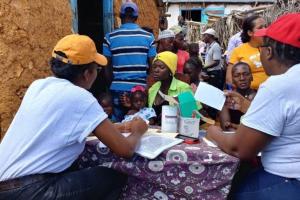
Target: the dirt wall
pixel 148 13
pixel 28 31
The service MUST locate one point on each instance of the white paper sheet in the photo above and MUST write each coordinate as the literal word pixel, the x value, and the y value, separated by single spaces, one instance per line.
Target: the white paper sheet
pixel 152 143
pixel 210 96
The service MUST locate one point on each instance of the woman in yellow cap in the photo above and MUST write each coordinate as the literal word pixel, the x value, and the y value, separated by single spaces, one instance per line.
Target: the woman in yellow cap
pixel 50 128
pixel 163 71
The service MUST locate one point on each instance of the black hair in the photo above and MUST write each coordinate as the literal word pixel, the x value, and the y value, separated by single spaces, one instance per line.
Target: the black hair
pixel 284 52
pixel 192 45
pixel 162 20
pixel 196 62
pixel 248 25
pixel 241 63
pixel 104 95
pixel 128 14
pixel 142 93
pixel 66 70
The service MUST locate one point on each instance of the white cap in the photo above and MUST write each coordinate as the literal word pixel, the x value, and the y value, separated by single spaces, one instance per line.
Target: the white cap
pixel 176 29
pixel 165 34
pixel 210 31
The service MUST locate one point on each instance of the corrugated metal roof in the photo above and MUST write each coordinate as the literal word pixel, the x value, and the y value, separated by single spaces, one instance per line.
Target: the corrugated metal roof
pixel 219 1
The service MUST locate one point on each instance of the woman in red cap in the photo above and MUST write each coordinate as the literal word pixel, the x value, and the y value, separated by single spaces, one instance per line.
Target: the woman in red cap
pixel 271 124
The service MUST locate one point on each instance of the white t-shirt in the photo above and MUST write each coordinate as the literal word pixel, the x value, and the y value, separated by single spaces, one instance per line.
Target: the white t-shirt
pixel 49 130
pixel 275 110
pixel 214 53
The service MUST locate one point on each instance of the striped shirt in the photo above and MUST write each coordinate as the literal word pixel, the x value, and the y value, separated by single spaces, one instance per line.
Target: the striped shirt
pixel 129 48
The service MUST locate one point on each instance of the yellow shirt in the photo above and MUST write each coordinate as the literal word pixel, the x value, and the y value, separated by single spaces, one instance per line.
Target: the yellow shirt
pixel 248 54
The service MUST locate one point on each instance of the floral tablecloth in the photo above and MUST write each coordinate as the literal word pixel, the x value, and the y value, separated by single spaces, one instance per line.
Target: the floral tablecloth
pixel 182 172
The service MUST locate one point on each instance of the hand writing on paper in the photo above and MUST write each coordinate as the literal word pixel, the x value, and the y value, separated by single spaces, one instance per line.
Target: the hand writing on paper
pixel 138 125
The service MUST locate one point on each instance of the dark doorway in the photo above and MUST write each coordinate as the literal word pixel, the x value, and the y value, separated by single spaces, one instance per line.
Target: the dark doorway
pixel 90 22
pixel 193 15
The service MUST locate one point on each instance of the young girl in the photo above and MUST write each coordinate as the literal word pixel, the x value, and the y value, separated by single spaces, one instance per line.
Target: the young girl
pixel 138 99
pixel 193 69
pixel 105 100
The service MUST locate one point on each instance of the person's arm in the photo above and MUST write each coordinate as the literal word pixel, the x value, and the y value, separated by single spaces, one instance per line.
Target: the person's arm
pixel 234 58
pixel 132 112
pixel 229 73
pixel 264 120
pixel 124 127
pixel 224 118
pixel 231 45
pixel 213 64
pixel 245 144
pixel 150 61
pixel 152 121
pixel 152 52
pixel 107 133
pixel 108 72
pixel 236 101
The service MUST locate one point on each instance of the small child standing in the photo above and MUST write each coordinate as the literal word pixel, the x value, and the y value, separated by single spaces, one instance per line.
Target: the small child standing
pixel 105 100
pixel 138 100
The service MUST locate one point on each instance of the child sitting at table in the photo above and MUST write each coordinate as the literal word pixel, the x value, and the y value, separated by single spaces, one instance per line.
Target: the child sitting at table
pixel 138 100
pixel 105 100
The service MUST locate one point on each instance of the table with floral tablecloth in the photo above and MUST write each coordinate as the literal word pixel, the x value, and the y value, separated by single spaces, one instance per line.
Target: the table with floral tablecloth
pixel 182 172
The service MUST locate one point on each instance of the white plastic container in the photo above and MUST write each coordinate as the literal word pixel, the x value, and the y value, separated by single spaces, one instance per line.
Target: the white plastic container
pixel 169 119
pixel 189 127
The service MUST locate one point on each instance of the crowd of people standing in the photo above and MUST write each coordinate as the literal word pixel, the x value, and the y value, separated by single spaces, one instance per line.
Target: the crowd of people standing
pixel 131 50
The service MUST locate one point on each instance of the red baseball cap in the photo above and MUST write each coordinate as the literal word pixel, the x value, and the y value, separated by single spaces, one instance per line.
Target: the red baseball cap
pixel 286 29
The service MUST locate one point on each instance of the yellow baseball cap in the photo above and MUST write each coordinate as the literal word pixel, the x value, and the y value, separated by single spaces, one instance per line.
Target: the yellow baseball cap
pixel 79 49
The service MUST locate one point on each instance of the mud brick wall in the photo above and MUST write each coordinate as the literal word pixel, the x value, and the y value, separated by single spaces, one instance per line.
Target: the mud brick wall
pixel 148 13
pixel 28 31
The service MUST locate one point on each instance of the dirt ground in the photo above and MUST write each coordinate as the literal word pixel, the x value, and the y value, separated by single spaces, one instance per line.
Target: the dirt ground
pixel 28 30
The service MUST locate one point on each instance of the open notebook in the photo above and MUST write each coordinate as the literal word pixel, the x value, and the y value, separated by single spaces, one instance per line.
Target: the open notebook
pixel 152 143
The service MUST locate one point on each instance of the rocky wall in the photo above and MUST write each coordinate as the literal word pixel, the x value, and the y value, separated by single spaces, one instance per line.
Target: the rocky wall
pixel 28 31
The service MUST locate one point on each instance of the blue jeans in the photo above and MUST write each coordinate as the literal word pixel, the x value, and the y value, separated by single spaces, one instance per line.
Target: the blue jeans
pixel 87 184
pixel 261 185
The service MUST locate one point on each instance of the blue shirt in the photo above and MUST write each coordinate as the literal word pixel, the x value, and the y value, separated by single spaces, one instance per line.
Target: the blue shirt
pixel 129 47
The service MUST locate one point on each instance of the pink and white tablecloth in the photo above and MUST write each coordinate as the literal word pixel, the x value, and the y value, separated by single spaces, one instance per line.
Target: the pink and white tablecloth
pixel 182 172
